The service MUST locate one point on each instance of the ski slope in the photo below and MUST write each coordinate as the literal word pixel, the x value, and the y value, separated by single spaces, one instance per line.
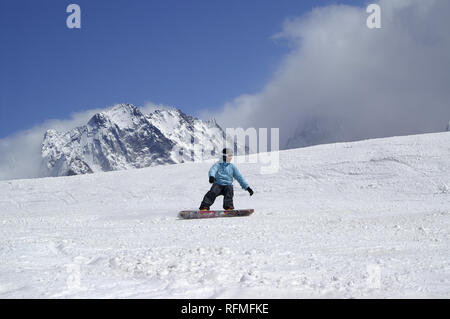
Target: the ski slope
pixel 367 219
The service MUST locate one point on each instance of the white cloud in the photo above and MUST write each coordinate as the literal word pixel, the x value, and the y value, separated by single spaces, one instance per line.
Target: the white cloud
pixel 343 81
pixel 20 154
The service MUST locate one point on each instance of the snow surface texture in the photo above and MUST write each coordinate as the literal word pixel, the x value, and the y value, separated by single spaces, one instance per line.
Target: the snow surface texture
pixel 122 137
pixel 347 220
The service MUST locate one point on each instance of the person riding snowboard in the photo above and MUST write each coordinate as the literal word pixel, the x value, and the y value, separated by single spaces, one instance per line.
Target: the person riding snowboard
pixel 221 176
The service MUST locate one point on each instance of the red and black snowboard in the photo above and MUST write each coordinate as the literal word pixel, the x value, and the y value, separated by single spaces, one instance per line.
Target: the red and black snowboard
pixel 194 214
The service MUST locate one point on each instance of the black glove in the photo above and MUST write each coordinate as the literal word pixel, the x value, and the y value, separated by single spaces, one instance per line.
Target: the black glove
pixel 250 191
pixel 211 179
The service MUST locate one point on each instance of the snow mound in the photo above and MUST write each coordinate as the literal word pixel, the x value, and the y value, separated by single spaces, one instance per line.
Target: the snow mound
pixel 347 220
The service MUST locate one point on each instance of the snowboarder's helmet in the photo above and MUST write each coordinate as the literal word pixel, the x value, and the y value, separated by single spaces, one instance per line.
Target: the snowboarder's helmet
pixel 227 151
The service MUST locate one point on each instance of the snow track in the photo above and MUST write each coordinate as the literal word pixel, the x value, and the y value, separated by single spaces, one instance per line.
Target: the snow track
pixel 348 220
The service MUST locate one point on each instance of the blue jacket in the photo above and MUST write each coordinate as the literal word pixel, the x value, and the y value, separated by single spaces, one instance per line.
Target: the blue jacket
pixel 224 172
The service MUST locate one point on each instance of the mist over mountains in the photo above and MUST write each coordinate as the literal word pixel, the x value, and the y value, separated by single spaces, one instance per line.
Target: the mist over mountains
pixel 342 81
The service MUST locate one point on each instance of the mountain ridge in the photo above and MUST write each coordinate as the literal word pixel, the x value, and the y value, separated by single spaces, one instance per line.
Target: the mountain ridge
pixel 123 137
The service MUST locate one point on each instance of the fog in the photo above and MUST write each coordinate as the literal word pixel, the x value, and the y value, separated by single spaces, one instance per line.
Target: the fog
pixel 342 81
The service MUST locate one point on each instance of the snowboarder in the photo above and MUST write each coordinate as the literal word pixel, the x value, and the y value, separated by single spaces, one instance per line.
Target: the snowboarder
pixel 221 176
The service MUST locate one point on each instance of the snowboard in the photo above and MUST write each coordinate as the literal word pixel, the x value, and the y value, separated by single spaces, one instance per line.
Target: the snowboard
pixel 194 214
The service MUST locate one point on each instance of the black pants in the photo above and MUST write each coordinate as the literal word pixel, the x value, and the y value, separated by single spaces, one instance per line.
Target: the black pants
pixel 217 190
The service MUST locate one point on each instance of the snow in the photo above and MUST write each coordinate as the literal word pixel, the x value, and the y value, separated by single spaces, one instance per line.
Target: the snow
pixel 349 220
pixel 121 115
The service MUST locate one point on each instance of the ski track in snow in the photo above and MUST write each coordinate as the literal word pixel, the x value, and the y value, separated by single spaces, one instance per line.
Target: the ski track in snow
pixel 349 220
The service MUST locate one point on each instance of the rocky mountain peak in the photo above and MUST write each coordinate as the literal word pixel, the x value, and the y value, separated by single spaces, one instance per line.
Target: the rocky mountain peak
pixel 122 137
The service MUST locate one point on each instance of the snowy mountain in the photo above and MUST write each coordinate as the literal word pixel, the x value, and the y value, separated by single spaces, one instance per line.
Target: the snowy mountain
pixel 122 137
pixel 367 219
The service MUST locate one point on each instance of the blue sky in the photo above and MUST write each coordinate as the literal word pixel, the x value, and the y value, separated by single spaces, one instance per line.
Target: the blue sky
pixel 192 54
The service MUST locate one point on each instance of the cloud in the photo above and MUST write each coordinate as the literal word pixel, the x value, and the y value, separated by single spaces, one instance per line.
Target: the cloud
pixel 342 81
pixel 20 154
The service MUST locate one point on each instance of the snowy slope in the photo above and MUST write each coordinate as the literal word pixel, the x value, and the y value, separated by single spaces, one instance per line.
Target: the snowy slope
pixel 362 219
